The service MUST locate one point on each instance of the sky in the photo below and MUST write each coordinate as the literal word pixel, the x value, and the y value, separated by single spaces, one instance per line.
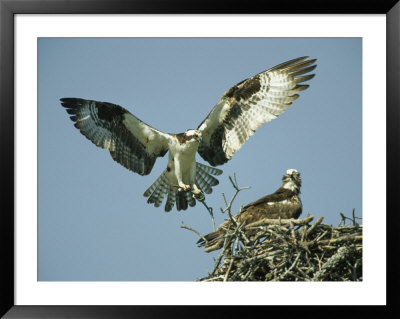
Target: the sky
pixel 94 223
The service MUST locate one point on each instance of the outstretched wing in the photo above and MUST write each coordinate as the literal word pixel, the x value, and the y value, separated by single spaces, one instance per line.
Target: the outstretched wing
pixel 131 142
pixel 246 106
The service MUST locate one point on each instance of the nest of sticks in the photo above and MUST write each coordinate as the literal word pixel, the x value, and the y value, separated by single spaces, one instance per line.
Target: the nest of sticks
pixel 289 250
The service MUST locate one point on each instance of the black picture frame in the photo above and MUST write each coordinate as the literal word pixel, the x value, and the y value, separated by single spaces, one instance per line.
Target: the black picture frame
pixel 8 10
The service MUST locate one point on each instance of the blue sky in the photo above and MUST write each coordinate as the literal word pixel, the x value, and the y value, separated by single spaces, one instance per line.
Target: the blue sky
pixel 94 223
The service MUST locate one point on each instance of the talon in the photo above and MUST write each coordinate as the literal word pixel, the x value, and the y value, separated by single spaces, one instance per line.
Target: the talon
pixel 198 194
pixel 184 187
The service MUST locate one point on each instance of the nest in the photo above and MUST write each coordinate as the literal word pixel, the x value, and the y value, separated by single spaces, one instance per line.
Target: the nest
pixel 287 249
pixel 291 250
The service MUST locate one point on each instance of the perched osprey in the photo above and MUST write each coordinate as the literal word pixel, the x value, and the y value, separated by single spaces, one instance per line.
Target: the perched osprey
pixel 239 112
pixel 285 203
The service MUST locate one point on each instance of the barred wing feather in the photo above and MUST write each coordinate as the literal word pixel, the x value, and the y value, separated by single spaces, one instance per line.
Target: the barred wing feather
pixel 131 142
pixel 246 106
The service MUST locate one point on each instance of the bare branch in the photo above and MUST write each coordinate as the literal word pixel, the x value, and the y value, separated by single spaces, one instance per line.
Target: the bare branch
pixel 314 226
pixel 267 221
pixel 237 190
pixel 229 269
pixel 194 230
pixel 210 211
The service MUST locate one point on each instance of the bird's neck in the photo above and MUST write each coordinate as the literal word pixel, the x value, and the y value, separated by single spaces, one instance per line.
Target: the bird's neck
pixel 291 185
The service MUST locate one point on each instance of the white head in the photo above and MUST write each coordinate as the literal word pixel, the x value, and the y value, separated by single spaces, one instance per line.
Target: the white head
pixel 291 171
pixel 195 133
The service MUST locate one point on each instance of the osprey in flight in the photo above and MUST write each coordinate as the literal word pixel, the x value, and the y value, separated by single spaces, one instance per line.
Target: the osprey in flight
pixel 239 112
pixel 285 203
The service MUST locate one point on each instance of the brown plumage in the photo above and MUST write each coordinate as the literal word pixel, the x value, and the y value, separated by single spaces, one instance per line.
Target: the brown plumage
pixel 285 203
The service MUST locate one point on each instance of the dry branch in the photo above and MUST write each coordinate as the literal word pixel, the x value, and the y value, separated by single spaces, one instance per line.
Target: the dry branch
pixel 267 221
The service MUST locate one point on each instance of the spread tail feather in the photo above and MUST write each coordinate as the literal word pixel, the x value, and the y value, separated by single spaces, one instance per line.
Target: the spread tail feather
pixel 157 190
pixel 209 169
pixel 204 179
pixel 170 199
pixel 161 186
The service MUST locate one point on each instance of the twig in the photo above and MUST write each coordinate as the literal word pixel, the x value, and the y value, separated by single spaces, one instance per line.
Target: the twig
pixel 267 221
pixel 217 262
pixel 292 232
pixel 194 230
pixel 353 219
pixel 311 229
pixel 237 190
pixel 340 240
pixel 228 206
pixel 229 269
pixel 210 210
pixel 290 268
